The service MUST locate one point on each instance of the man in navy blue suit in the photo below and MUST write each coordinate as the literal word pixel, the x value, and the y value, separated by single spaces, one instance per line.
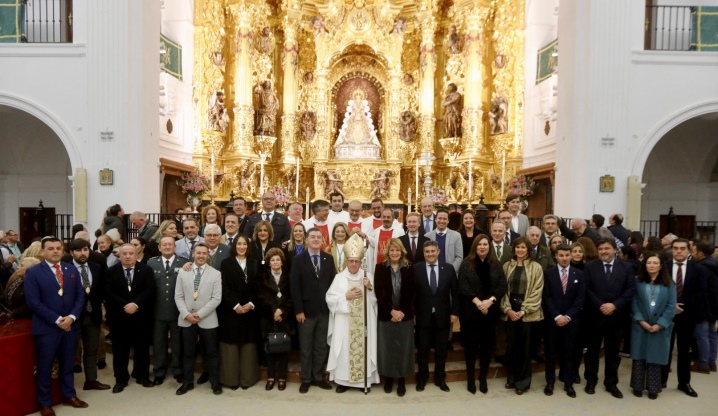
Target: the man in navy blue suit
pixel 564 291
pixel 55 294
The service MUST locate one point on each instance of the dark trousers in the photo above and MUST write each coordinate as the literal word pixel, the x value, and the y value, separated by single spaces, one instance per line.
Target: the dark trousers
pixel 518 352
pixel 124 340
pixel 314 347
pixel 424 337
pixel 646 376
pixel 162 358
pixel 609 332
pixel 683 329
pixel 90 335
pixel 478 336
pixel 277 365
pixel 210 355
pixel 60 345
pixel 559 346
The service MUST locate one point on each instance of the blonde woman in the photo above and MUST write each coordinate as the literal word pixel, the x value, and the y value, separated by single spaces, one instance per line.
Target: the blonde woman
pixel 340 233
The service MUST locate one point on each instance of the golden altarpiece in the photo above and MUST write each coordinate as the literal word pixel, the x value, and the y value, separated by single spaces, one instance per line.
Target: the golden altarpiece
pixel 357 96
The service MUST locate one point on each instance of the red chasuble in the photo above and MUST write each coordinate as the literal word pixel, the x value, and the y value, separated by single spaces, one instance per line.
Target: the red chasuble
pixel 377 223
pixel 384 237
pixel 293 223
pixel 353 225
pixel 325 235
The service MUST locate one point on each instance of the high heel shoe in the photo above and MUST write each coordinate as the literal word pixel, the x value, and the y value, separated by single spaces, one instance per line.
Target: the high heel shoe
pixel 471 386
pixel 270 384
pixel 282 385
pixel 483 387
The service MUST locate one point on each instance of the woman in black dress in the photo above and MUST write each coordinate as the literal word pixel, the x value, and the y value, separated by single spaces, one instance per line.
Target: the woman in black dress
pixel 468 230
pixel 262 241
pixel 481 285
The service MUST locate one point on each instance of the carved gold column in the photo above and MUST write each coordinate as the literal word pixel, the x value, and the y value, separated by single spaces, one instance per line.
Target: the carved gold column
pixel 240 46
pixel 289 102
pixel 472 126
pixel 427 70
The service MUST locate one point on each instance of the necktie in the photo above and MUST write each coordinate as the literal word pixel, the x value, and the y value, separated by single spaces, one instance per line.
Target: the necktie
pixel 507 240
pixel 191 246
pixel 427 226
pixel 432 279
pixel 315 259
pixel 266 217
pixel 229 241
pixel 413 248
pixel 197 276
pixel 564 279
pixel 608 271
pixel 498 251
pixel 167 266
pixel 679 282
pixel 86 285
pixel 535 253
pixel 128 276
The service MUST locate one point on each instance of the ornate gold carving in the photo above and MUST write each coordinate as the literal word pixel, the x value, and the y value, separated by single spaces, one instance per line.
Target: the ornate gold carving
pixel 452 148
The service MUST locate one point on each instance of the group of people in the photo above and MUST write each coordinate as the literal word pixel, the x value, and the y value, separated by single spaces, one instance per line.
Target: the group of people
pixel 363 296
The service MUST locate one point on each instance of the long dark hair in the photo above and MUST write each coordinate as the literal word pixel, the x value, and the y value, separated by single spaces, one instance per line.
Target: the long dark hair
pixel 663 277
pixel 233 249
pixel 491 257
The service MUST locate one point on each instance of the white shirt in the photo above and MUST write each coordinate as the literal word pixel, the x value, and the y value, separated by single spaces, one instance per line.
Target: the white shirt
pixel 57 321
pixel 79 269
pixel 243 265
pixel 675 270
pixel 171 260
pixel 514 223
pixel 265 213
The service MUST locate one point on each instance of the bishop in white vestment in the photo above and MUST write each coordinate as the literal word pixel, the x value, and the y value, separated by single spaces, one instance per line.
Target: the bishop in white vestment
pixel 345 298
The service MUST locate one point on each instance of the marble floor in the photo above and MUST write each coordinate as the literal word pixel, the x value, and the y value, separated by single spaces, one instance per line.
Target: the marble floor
pixel 161 400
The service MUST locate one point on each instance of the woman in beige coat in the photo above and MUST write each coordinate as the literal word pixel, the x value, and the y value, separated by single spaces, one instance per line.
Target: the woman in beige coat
pixel 522 312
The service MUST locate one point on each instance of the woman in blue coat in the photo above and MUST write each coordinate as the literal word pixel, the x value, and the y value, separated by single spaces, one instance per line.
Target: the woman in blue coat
pixel 653 309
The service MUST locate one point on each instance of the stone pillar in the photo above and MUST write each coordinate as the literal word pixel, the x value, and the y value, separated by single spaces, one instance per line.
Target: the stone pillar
pixel 472 125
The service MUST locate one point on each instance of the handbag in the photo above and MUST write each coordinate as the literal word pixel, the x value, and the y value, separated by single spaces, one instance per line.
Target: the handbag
pixel 277 342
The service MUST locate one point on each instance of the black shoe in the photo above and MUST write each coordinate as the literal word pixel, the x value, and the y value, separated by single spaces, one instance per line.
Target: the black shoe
pixel 158 381
pixel 509 386
pixel 184 388
pixel 570 392
pixel 548 390
pixel 341 389
pixel 471 386
pixel 233 388
pixel 615 392
pixel 77 368
pixel 687 389
pixel 401 389
pixel 119 387
pixel 521 391
pixel 304 387
pixel 203 378
pixel 653 396
pixel 590 388
pixel 637 393
pixel 179 379
pixel 145 382
pixel 101 364
pixel 442 385
pixel 388 385
pixel 322 385
pixel 217 389
pixel 483 387
pixel 577 379
pixel 420 385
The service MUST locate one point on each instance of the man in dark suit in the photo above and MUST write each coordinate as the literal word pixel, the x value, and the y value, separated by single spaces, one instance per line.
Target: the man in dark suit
pixel 413 240
pixel 691 307
pixel 437 308
pixel 579 228
pixel 428 219
pixel 145 228
pixel 130 296
pixel 505 217
pixel 564 292
pixel 549 223
pixel 239 207
pixel 617 229
pixel 231 227
pixel 542 254
pixel 91 319
pixel 165 268
pixel 610 287
pixel 280 223
pixel 54 293
pixel 502 249
pixel 312 274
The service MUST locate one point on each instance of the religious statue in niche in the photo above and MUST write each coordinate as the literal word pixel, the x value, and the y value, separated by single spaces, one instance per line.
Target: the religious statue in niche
pixel 500 61
pixel 308 78
pixel 407 126
pixel 453 42
pixel 218 58
pixel 264 41
pixel 332 183
pixel 499 117
pixel 308 125
pixel 317 25
pixel 400 26
pixel 408 79
pixel 266 105
pixel 245 175
pixel 358 127
pixel 453 105
pixel 381 184
pixel 217 115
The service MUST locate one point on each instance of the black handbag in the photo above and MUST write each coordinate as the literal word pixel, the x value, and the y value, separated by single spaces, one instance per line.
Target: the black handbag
pixel 277 342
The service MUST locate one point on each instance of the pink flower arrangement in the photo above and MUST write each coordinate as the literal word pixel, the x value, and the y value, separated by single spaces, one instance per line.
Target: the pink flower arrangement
pixel 438 196
pixel 521 185
pixel 193 183
pixel 280 195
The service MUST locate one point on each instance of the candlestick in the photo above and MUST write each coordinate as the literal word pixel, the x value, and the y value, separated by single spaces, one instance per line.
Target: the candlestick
pixel 471 179
pixel 211 179
pixel 408 199
pixel 306 216
pixel 296 185
pixel 417 184
pixel 503 173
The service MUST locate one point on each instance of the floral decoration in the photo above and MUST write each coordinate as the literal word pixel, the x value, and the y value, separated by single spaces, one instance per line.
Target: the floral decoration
pixel 194 183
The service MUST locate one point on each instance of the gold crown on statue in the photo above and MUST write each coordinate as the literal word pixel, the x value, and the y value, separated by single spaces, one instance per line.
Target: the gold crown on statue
pixel 354 247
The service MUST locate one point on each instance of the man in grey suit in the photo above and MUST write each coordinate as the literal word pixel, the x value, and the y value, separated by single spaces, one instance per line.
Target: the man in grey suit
pixel 197 295
pixel 185 246
pixel 145 229
pixel 519 222
pixel 165 268
pixel 450 249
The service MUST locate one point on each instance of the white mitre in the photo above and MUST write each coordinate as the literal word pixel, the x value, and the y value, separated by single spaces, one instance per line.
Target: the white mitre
pixel 354 247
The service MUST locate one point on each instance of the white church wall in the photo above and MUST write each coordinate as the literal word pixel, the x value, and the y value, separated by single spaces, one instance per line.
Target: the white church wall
pixel 611 88
pixel 105 81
